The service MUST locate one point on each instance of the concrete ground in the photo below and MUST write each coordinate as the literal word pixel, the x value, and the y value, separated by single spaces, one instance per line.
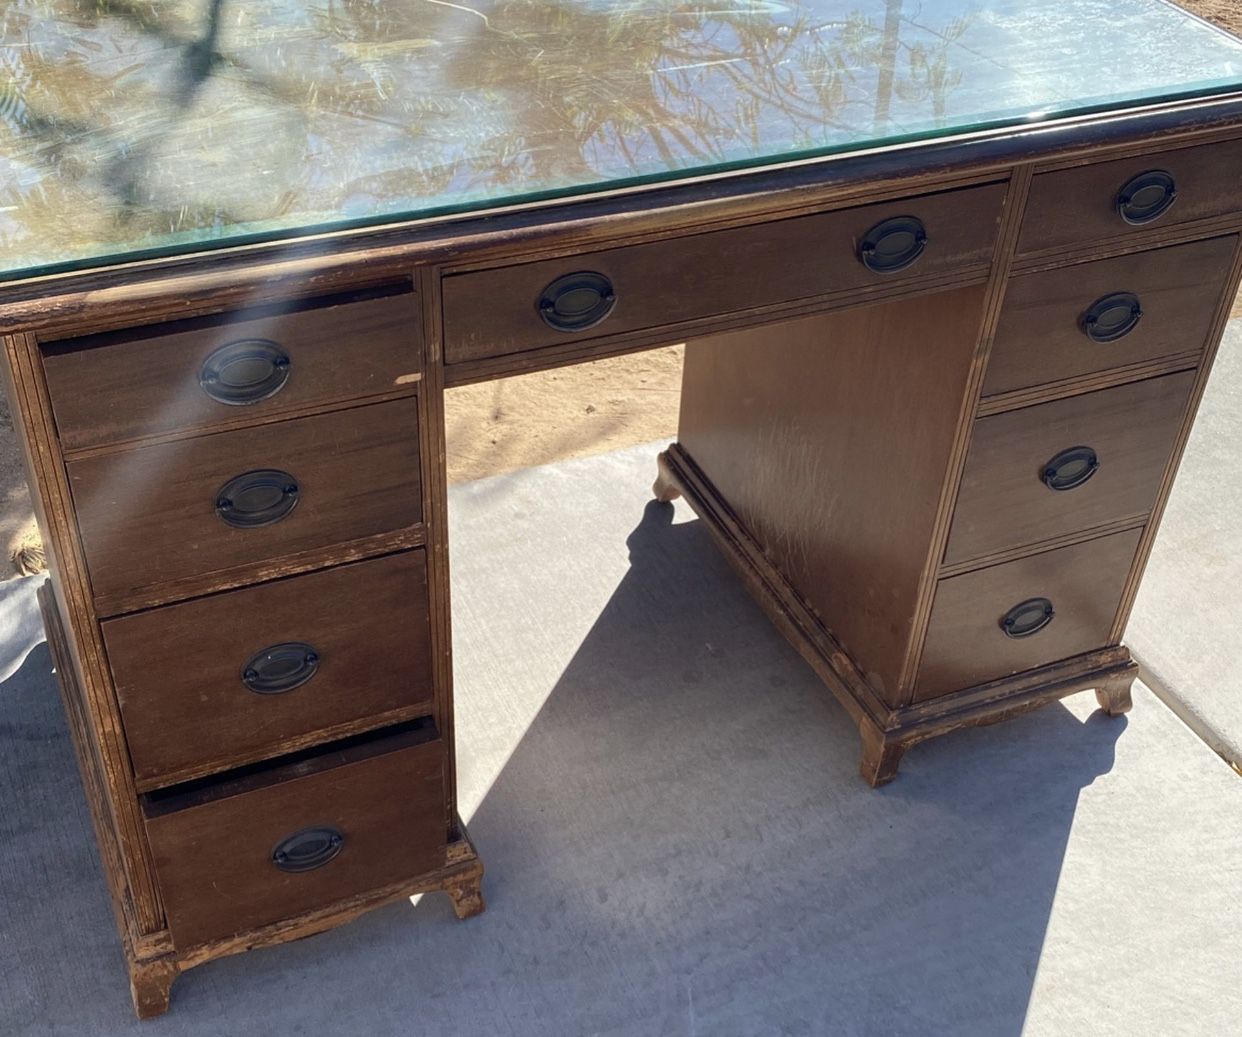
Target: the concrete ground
pixel 1184 628
pixel 676 838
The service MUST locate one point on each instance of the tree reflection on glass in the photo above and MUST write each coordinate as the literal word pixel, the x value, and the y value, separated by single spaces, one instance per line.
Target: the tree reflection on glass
pixel 127 124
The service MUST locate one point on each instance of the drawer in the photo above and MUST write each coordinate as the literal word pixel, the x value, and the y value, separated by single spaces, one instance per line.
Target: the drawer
pixel 966 642
pixel 236 677
pixel 196 375
pixel 1145 306
pixel 1007 498
pixel 549 303
pixel 1078 206
pixel 277 841
pixel 155 514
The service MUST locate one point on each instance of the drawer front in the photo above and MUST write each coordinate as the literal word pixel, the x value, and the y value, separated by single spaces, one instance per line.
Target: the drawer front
pixel 123 387
pixel 237 677
pixel 966 641
pixel 1094 316
pixel 159 513
pixel 301 837
pixel 497 312
pixel 1075 207
pixel 1029 478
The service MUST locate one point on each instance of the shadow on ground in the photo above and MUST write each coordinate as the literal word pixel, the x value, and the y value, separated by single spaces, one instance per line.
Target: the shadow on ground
pixel 677 843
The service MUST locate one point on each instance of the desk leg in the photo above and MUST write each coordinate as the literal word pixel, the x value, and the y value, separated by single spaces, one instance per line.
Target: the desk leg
pixel 665 488
pixel 1114 695
pixel 881 755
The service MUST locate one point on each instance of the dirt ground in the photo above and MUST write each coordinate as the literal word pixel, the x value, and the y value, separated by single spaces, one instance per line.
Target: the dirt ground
pixel 514 423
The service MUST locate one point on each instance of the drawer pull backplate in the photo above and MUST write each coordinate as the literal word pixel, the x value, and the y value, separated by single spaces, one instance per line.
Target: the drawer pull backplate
pixel 1027 618
pixel 308 849
pixel 893 245
pixel 245 372
pixel 280 668
pixel 1070 468
pixel 1112 317
pixel 1147 197
pixel 576 302
pixel 257 498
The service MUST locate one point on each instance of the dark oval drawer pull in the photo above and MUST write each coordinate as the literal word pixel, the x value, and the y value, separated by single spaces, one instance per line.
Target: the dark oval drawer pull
pixel 280 668
pixel 1147 197
pixel 245 372
pixel 1027 617
pixel 308 849
pixel 576 302
pixel 893 245
pixel 1070 468
pixel 1112 317
pixel 257 498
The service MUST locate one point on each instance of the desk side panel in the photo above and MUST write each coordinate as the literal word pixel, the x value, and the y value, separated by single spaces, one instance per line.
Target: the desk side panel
pixel 830 438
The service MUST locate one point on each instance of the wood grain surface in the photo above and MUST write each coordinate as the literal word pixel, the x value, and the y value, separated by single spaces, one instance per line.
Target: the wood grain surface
pixel 178 669
pixel 1003 501
pixel 494 312
pixel 965 643
pixel 213 846
pixel 1040 338
pixel 115 388
pixel 148 514
pixel 830 438
pixel 1079 205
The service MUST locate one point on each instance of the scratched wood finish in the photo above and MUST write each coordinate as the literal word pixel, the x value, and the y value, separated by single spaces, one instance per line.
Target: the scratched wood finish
pixel 965 643
pixel 1003 501
pixel 1071 206
pixel 114 388
pixel 831 439
pixel 213 844
pixel 178 670
pixel 148 514
pixel 1040 337
pixel 495 312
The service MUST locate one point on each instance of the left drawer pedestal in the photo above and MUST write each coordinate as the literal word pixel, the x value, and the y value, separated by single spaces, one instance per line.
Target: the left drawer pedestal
pixel 241 615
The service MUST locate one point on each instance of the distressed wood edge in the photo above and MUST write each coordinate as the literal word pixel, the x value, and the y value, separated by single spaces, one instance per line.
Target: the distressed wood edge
pixel 213 281
pixel 461 878
pixel 409 389
pixel 35 430
pixel 678 474
pixel 1125 244
pixel 220 765
pixel 88 764
pixel 885 733
pixel 1079 536
pixel 1147 540
pixel 278 567
pixel 1002 261
pixel 1109 378
pixel 434 461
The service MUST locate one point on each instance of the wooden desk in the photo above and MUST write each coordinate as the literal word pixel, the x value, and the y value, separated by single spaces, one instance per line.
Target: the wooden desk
pixel 946 327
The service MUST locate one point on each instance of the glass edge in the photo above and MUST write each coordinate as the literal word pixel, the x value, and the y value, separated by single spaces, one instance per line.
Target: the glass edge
pixel 505 204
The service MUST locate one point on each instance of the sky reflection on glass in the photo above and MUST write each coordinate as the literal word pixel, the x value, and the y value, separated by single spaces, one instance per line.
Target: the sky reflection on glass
pixel 128 126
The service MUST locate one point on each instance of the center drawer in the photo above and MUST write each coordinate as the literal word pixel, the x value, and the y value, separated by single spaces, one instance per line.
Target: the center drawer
pixel 155 514
pixel 1063 467
pixel 511 309
pixel 274 842
pixel 236 677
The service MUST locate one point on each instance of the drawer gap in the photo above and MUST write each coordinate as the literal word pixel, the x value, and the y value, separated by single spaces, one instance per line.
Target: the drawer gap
pixel 295 765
